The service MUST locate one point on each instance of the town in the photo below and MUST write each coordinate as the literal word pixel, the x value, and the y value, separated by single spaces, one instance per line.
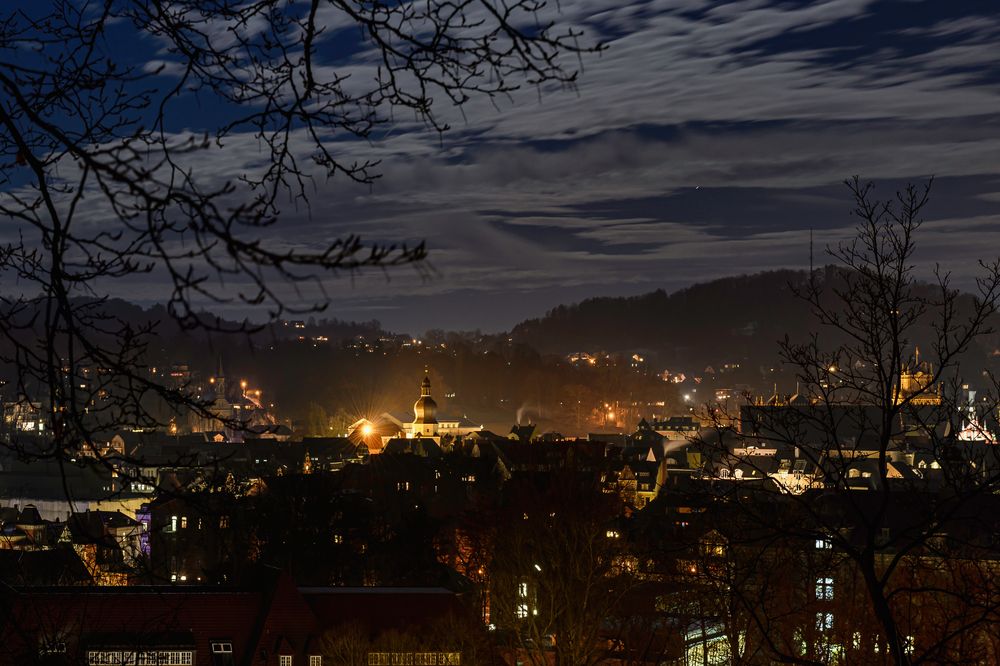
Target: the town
pixel 499 333
pixel 415 522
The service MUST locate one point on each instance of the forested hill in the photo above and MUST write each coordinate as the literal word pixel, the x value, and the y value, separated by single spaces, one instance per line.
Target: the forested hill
pixel 733 318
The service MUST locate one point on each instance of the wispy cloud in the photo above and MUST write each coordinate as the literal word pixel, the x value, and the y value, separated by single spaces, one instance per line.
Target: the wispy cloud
pixel 710 138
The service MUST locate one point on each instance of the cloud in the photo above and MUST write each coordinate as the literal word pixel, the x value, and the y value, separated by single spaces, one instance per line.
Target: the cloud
pixel 710 138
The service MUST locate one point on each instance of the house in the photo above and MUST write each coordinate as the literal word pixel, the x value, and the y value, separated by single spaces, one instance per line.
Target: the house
pixel 109 543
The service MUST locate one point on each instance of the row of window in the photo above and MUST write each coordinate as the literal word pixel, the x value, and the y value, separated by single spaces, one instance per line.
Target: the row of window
pixel 286 660
pixel 182 523
pixel 140 658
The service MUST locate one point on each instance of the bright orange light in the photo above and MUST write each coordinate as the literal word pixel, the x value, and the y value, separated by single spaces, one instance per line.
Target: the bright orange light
pixel 243 385
pixel 367 429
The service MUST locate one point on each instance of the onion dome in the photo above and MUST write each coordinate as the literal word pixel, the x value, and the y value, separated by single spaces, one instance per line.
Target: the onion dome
pixel 425 409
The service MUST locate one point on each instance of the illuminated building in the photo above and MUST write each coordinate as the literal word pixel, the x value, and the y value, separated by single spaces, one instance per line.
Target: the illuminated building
pixel 915 384
pixel 424 412
pixel 426 423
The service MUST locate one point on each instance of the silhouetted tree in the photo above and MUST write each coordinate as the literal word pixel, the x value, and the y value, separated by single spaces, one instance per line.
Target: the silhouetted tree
pixel 106 192
pixel 884 474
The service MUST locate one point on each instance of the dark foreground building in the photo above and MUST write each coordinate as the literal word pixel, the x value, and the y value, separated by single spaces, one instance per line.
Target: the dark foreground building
pixel 272 623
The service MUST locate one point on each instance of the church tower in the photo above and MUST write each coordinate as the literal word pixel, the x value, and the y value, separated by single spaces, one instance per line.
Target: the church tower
pixel 219 381
pixel 425 412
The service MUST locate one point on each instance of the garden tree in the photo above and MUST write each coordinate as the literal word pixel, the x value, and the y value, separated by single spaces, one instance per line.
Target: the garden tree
pixel 557 566
pixel 318 422
pixel 108 192
pixel 899 491
pixel 350 644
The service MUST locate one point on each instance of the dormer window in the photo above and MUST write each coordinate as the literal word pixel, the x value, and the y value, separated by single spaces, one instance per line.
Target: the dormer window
pixel 222 653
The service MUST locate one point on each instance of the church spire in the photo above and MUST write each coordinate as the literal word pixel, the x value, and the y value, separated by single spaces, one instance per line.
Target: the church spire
pixel 220 380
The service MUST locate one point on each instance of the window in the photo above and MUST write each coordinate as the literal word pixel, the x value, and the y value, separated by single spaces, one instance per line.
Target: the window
pixel 824 588
pixel 824 621
pixel 338 538
pixel 522 601
pixel 823 544
pixel 223 522
pixel 184 522
pixel 173 523
pixel 285 660
pixel 315 660
pixel 222 653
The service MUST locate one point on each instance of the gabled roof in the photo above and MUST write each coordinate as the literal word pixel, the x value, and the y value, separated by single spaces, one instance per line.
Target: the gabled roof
pixel 425 447
pixel 523 432
pixel 52 566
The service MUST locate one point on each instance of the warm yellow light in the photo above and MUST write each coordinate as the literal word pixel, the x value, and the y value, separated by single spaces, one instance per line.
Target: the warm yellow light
pixel 611 416
pixel 367 429
pixel 243 384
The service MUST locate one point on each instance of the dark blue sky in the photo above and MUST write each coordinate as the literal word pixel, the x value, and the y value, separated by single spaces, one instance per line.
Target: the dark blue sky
pixel 708 140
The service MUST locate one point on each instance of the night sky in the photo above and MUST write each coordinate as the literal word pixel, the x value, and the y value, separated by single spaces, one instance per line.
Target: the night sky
pixel 708 140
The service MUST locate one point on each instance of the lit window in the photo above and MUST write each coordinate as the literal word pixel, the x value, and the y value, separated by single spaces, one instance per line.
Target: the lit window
pixel 824 588
pixel 338 538
pixel 823 544
pixel 173 523
pixel 315 660
pixel 522 601
pixel 285 660
pixel 824 621
pixel 184 522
